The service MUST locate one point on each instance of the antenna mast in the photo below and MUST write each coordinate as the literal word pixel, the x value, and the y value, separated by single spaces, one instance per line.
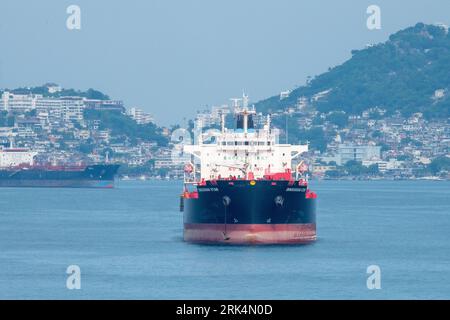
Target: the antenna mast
pixel 236 102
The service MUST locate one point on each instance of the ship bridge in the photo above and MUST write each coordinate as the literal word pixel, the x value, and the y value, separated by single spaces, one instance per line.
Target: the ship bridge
pixel 243 153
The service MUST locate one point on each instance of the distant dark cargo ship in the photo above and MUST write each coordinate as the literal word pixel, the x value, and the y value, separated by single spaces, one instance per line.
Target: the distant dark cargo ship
pixel 17 169
pixel 241 189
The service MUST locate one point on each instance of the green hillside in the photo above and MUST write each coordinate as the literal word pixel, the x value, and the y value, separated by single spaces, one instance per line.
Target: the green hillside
pixel 410 72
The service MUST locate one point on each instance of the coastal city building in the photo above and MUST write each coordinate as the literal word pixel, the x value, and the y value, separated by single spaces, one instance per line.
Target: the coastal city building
pixel 140 116
pixel 348 152
pixel 63 126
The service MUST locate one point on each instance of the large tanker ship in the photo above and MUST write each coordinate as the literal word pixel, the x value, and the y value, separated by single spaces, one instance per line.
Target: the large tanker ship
pixel 242 188
pixel 18 169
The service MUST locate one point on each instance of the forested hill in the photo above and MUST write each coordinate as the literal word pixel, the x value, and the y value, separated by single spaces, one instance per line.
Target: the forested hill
pixel 410 72
pixel 44 90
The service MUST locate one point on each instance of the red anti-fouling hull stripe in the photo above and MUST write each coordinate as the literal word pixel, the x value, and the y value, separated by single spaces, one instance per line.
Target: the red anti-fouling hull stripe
pixel 250 233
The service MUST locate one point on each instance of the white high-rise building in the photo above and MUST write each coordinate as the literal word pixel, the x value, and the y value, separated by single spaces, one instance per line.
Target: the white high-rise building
pixel 48 110
pixel 18 102
pixel 361 153
pixel 72 108
pixel 140 116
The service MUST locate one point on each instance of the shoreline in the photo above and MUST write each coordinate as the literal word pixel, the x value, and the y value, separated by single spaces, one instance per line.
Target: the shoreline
pixel 437 179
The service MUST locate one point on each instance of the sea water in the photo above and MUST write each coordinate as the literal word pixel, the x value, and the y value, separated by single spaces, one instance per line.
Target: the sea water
pixel 127 243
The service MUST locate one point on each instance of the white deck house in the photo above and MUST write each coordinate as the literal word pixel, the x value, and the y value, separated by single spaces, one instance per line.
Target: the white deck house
pixel 244 153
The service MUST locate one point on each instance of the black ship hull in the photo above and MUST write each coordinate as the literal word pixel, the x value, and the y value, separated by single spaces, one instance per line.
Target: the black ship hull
pixel 95 176
pixel 246 212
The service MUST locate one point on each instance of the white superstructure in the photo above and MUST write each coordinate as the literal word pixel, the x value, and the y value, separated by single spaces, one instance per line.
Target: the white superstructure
pixel 12 157
pixel 245 152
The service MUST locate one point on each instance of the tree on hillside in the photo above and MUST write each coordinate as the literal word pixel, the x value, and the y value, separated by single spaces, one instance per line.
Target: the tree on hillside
pixel 122 125
pixel 401 74
pixel 439 164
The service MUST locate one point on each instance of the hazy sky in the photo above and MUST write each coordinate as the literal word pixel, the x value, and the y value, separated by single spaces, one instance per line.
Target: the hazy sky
pixel 175 57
